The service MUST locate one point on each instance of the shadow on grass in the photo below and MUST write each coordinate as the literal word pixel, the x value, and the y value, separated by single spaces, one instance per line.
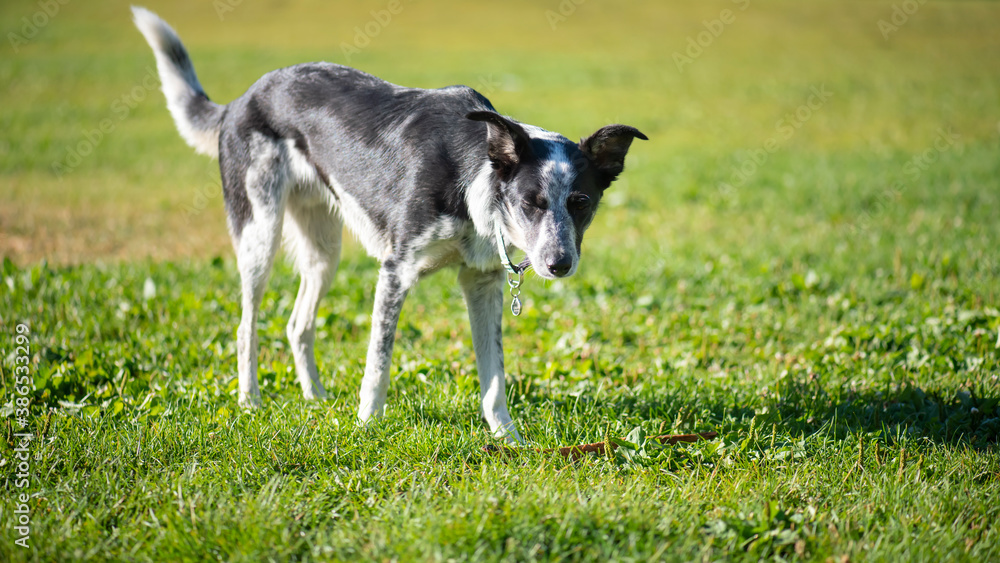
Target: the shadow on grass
pixel 952 416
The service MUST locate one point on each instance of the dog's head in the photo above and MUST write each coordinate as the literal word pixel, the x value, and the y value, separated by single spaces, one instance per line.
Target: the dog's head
pixel 548 187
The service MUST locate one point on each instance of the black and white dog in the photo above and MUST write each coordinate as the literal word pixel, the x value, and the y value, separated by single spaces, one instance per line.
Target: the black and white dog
pixel 424 178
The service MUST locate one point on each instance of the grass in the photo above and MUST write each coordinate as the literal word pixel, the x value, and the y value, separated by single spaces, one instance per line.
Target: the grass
pixel 834 314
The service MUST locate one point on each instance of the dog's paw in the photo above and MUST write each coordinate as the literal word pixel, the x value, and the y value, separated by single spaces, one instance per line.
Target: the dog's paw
pixel 315 394
pixel 249 401
pixel 509 435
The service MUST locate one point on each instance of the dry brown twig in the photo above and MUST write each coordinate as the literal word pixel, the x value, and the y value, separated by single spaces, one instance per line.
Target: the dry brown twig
pixel 600 448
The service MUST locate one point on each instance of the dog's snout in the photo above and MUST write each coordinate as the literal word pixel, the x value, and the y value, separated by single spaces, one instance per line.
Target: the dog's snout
pixel 560 267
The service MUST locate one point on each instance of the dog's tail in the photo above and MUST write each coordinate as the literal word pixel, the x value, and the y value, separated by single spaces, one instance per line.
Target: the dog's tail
pixel 198 118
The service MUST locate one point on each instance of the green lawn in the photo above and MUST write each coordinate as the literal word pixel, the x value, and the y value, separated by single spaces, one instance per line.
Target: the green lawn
pixel 818 284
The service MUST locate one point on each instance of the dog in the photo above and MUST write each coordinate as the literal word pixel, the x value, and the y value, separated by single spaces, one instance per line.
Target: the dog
pixel 425 179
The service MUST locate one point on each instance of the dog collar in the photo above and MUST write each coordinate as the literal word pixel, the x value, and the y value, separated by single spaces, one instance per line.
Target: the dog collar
pixel 512 271
pixel 504 258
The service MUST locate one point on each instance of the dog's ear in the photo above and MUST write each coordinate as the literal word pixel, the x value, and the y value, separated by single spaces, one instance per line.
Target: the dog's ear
pixel 607 147
pixel 508 141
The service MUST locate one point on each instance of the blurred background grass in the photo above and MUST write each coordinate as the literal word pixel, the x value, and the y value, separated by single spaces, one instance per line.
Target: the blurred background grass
pixel 566 67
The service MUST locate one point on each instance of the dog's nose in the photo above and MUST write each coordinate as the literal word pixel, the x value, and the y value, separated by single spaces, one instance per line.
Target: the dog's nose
pixel 561 267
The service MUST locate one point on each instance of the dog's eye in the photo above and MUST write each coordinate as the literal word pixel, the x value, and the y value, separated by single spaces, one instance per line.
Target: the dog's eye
pixel 578 202
pixel 537 201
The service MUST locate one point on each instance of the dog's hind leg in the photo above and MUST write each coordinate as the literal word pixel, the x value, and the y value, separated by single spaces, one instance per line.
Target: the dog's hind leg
pixel 390 292
pixel 484 298
pixel 313 234
pixel 257 240
pixel 255 256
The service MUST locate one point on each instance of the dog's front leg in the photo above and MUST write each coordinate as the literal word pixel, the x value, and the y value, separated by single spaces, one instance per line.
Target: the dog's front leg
pixel 484 298
pixel 390 292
